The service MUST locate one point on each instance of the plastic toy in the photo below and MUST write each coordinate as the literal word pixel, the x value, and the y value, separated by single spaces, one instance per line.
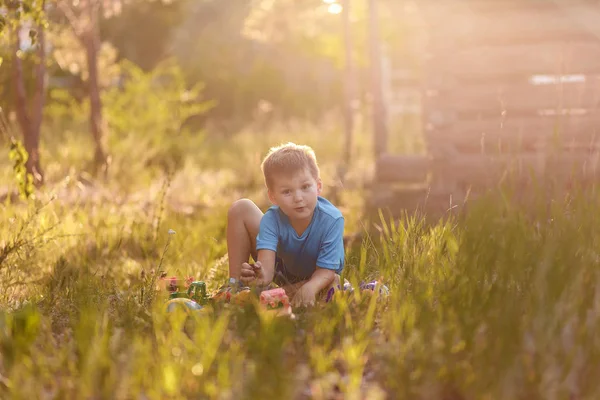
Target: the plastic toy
pixel 242 297
pixel 373 285
pixel 276 300
pixel 331 292
pixel 190 310
pixel 183 304
pixel 366 288
pixel 192 296
pixel 227 292
pixel 173 284
pixel 195 290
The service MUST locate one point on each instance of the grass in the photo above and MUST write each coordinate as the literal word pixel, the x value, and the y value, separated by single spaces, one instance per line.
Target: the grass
pixel 501 304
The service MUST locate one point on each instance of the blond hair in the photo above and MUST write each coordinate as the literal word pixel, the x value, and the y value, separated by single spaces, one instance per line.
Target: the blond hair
pixel 287 159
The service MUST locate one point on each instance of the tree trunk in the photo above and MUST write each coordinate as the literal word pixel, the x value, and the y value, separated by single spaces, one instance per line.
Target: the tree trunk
pixel 91 41
pixel 349 86
pixel 40 88
pixel 348 102
pixel 379 111
pixel 29 127
pixel 39 102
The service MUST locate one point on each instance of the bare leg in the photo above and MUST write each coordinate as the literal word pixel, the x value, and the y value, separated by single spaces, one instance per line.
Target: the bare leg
pixel 243 222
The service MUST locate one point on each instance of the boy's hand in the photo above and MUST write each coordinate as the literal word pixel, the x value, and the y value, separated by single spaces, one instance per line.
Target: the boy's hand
pixel 305 296
pixel 253 274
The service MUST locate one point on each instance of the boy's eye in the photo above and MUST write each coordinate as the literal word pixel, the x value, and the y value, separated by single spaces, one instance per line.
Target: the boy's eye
pixel 305 187
pixel 286 192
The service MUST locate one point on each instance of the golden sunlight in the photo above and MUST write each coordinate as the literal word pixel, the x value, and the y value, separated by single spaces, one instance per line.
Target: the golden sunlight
pixel 335 8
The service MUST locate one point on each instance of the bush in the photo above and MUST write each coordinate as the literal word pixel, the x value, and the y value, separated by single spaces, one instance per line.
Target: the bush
pixel 145 115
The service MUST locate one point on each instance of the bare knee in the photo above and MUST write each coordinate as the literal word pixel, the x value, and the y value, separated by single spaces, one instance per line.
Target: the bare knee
pixel 241 208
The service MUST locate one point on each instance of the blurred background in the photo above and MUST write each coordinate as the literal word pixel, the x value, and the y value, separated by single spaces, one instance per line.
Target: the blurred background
pixel 116 93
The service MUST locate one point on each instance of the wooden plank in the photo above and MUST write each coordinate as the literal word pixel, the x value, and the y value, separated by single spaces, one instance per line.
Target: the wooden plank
pixel 397 203
pixel 574 164
pixel 486 171
pixel 583 128
pixel 480 172
pixel 438 80
pixel 457 142
pixel 383 195
pixel 566 171
pixel 578 124
pixel 393 203
pixel 401 168
pixel 492 137
pixel 497 22
pixel 436 11
pixel 528 96
pixel 556 120
pixel 518 59
pixel 581 13
pixel 499 7
pixel 585 15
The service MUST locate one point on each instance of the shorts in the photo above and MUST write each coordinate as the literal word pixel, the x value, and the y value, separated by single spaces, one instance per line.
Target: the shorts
pixel 283 276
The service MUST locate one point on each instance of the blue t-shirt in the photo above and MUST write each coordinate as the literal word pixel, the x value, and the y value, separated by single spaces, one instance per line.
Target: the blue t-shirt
pixel 320 245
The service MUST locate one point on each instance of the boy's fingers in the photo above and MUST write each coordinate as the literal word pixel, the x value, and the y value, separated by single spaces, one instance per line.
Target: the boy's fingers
pixel 247 273
pixel 297 299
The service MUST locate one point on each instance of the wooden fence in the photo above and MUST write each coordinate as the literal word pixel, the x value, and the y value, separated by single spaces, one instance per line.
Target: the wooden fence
pixel 511 89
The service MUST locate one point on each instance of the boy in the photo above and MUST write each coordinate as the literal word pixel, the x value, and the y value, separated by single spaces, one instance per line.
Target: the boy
pixel 298 243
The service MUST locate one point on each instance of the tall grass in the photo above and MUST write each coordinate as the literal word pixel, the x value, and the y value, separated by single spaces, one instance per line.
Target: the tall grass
pixel 501 304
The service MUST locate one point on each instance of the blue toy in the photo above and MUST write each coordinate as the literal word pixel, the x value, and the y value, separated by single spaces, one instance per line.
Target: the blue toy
pixel 186 305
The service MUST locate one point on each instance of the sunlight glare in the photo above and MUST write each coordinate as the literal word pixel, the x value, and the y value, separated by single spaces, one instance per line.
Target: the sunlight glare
pixel 329 1
pixel 335 8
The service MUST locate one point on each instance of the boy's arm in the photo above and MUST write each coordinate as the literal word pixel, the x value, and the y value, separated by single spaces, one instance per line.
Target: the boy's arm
pixel 262 272
pixel 320 279
pixel 330 261
pixel 266 261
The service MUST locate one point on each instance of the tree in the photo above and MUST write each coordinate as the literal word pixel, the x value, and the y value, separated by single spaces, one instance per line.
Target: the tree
pixel 83 17
pixel 29 113
pixel 141 30
pixel 284 53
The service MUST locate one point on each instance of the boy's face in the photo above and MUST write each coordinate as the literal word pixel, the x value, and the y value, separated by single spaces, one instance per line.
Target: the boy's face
pixel 296 194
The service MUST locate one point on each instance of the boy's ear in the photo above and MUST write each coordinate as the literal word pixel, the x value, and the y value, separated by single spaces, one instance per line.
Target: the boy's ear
pixel 319 186
pixel 271 197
